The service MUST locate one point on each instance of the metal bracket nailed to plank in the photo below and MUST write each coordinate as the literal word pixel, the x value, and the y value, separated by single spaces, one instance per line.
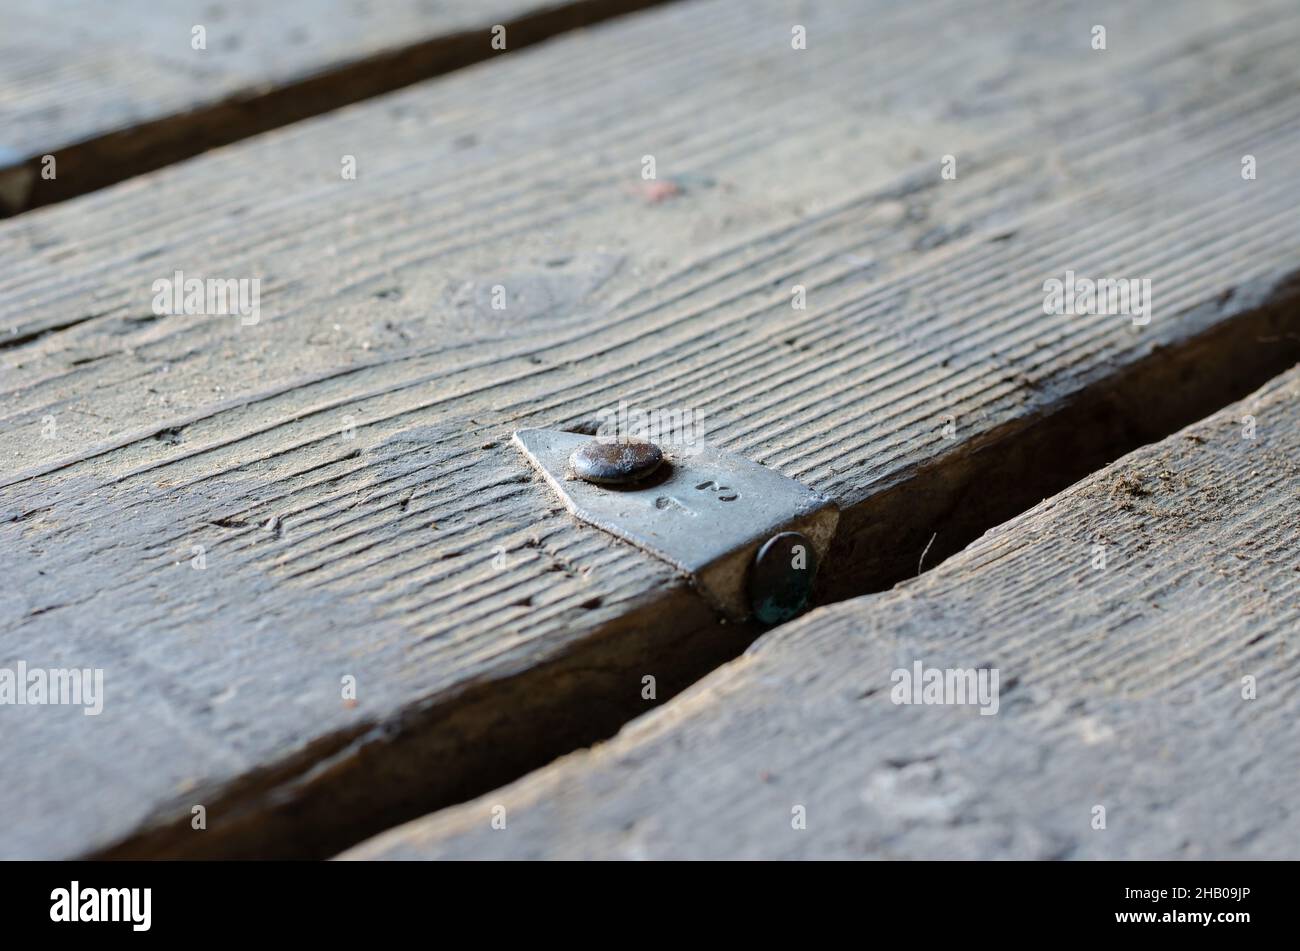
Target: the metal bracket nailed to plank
pixel 705 511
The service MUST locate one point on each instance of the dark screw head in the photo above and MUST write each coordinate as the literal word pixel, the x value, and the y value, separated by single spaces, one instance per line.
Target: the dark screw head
pixel 782 577
pixel 615 463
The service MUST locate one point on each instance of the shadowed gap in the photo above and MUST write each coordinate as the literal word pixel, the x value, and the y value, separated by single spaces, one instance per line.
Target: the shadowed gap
pixel 116 156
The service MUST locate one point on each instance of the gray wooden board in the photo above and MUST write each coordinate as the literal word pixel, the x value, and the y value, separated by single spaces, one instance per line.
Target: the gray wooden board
pixel 377 556
pixel 101 85
pixel 1123 617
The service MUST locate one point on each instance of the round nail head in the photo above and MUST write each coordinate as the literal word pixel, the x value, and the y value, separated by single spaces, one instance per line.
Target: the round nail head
pixel 782 577
pixel 615 463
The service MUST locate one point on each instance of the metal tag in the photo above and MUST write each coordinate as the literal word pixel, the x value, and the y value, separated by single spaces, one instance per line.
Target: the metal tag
pixel 704 511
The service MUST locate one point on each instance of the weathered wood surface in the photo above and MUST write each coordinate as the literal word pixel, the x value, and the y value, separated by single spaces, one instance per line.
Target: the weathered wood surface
pixel 374 557
pixel 1121 685
pixel 110 90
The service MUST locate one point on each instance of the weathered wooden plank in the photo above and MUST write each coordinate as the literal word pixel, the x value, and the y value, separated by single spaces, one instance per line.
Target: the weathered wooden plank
pixel 376 557
pixel 110 92
pixel 1124 618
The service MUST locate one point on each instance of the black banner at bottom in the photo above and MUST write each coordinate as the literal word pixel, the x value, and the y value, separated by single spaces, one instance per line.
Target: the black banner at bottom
pixel 336 900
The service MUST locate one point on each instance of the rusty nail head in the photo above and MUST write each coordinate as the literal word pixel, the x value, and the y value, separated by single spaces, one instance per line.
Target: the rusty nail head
pixel 615 463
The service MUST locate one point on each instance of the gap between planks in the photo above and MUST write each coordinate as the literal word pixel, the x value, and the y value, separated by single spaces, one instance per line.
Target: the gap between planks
pixel 115 156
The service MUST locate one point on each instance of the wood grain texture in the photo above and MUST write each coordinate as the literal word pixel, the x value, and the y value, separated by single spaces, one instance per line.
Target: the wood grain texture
pixel 1120 686
pixel 110 91
pixel 374 556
